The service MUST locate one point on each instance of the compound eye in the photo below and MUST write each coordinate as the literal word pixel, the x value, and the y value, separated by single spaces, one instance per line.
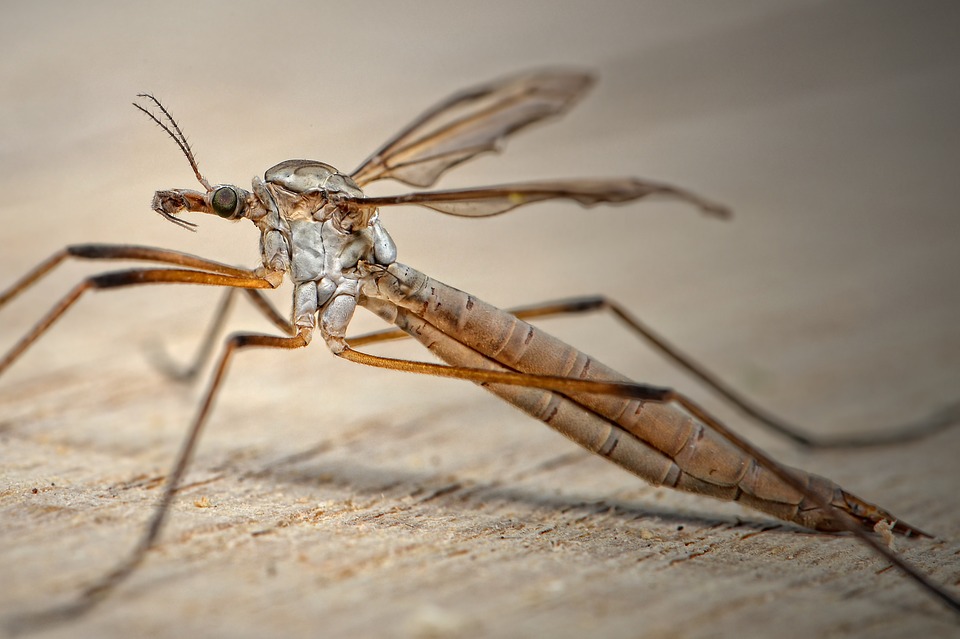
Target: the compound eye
pixel 225 202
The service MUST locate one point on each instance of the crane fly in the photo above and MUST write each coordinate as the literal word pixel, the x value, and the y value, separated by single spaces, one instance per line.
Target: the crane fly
pixel 319 229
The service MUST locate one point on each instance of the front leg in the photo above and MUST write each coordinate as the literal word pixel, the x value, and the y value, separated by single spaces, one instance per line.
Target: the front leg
pixel 118 279
pixel 128 252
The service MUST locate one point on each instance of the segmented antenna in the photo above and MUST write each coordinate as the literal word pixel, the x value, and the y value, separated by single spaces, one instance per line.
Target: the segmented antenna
pixel 173 130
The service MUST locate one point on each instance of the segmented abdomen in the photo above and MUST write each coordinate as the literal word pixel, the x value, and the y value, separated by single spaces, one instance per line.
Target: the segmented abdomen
pixel 659 442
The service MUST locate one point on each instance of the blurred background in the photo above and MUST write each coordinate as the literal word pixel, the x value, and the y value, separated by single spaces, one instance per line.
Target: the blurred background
pixel 830 128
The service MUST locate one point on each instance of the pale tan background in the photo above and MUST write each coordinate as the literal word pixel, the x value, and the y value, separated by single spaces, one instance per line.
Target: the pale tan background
pixel 351 502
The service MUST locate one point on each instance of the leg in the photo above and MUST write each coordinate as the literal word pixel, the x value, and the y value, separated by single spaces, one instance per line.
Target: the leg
pixel 117 279
pixel 188 373
pixel 927 425
pixel 934 422
pixel 100 590
pixel 150 254
pixel 119 252
pixel 200 358
pixel 846 520
pixel 482 376
pixel 648 393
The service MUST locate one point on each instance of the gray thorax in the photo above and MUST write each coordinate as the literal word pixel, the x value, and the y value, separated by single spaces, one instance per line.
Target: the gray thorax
pixel 319 243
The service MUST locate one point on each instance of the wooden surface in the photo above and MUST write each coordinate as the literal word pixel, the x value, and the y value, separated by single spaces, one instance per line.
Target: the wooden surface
pixel 329 500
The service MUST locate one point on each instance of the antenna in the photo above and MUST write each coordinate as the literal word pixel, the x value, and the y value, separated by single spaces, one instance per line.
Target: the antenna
pixel 170 125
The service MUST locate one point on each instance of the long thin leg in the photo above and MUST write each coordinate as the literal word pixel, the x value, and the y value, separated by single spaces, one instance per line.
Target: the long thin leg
pixel 936 421
pixel 656 394
pixel 205 350
pixel 115 279
pixel 171 369
pixel 128 252
pixel 482 376
pixel 927 425
pixel 99 591
pixel 269 311
pixel 848 522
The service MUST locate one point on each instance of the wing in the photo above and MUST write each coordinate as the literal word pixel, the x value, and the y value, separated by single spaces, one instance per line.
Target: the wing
pixel 494 200
pixel 470 123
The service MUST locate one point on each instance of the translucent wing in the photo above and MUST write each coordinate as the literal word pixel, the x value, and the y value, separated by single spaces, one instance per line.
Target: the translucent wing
pixel 493 200
pixel 470 123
